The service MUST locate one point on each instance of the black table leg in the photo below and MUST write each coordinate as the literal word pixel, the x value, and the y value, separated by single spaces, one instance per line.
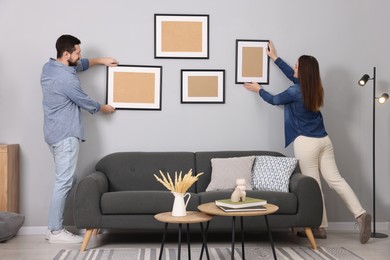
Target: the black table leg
pixel 204 239
pixel 242 238
pixel 179 244
pixel 233 235
pixel 188 241
pixel 270 236
pixel 163 241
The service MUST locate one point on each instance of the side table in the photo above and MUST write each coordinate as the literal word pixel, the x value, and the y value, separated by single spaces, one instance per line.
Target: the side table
pixel 190 218
pixel 211 209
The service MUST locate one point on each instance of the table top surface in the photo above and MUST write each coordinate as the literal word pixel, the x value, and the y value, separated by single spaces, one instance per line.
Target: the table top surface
pixel 192 217
pixel 212 209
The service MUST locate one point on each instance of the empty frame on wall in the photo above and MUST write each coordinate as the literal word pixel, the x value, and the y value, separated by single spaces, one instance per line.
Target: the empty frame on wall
pixel 202 86
pixel 181 36
pixel 252 61
pixel 134 87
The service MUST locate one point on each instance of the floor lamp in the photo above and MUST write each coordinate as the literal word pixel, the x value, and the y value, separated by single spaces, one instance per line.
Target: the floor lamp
pixel 382 99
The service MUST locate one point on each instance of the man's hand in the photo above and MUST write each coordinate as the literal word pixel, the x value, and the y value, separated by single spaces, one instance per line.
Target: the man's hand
pixel 109 62
pixel 107 109
pixel 255 87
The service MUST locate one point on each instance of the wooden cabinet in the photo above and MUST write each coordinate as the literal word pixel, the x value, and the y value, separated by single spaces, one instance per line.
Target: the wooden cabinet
pixel 9 177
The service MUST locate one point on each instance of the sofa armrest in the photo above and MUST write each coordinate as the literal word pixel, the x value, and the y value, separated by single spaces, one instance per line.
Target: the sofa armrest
pixel 309 213
pixel 87 212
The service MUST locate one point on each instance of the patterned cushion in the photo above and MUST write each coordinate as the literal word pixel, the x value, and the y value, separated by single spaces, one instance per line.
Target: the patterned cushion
pixel 271 173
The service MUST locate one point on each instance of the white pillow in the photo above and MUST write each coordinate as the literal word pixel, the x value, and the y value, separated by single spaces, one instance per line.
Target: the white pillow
pixel 272 173
pixel 225 172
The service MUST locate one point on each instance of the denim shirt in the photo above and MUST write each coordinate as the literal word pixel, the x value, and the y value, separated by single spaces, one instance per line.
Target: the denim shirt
pixel 297 119
pixel 62 100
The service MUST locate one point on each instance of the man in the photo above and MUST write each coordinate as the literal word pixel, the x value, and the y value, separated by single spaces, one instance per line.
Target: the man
pixel 63 99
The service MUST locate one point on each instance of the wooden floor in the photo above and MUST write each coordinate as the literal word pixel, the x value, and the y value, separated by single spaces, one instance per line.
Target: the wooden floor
pixel 36 247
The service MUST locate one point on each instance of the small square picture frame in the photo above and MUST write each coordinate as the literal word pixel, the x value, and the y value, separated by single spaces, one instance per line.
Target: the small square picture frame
pixel 134 87
pixel 252 61
pixel 203 86
pixel 181 36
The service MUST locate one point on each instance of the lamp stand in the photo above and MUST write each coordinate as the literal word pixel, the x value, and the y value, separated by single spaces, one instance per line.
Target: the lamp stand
pixel 374 233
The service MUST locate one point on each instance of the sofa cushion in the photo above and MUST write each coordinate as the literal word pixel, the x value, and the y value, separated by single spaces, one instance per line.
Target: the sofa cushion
pixel 272 173
pixel 225 172
pixel 287 202
pixel 134 170
pixel 141 202
pixel 203 163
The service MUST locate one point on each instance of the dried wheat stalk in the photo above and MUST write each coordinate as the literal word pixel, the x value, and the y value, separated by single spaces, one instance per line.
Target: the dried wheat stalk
pixel 180 184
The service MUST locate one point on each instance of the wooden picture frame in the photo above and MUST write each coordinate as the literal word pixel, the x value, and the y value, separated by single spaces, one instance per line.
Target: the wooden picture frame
pixel 252 61
pixel 202 86
pixel 181 36
pixel 134 87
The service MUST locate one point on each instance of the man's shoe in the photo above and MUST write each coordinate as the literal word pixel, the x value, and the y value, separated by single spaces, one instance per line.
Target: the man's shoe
pixel 319 233
pixel 47 235
pixel 64 237
pixel 364 223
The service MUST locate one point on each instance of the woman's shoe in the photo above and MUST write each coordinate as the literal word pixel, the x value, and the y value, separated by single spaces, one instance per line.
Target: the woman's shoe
pixel 364 223
pixel 319 233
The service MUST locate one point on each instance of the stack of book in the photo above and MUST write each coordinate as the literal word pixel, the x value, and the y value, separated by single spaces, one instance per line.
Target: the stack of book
pixel 250 204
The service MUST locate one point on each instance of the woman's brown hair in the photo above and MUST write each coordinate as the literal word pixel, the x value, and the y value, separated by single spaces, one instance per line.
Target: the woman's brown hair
pixel 310 80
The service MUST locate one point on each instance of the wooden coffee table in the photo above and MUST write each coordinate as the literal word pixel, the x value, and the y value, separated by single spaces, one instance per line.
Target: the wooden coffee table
pixel 212 209
pixel 191 218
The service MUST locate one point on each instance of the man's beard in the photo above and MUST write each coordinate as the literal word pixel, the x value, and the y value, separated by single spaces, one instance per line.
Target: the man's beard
pixel 73 63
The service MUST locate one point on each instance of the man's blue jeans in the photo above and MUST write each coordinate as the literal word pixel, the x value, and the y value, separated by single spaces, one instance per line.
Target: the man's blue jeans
pixel 65 155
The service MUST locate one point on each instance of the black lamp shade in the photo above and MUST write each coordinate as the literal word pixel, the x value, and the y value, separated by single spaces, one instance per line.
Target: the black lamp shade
pixel 364 80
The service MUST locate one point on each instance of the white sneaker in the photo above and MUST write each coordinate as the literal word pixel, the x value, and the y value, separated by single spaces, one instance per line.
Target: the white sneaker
pixel 47 235
pixel 64 237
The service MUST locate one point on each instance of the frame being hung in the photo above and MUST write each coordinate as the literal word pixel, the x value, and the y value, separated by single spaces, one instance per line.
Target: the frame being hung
pixel 252 61
pixel 181 36
pixel 134 87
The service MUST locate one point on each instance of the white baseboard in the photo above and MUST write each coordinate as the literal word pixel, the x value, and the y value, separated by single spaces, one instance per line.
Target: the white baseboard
pixel 350 226
pixel 333 226
pixel 30 231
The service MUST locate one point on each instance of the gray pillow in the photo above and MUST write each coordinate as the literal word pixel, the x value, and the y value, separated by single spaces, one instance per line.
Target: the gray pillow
pixel 10 223
pixel 272 173
pixel 225 172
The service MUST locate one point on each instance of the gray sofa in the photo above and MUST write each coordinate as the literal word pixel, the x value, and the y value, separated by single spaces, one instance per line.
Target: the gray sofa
pixel 123 194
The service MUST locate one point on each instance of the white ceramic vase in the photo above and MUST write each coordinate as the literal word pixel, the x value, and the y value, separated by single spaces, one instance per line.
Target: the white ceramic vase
pixel 179 206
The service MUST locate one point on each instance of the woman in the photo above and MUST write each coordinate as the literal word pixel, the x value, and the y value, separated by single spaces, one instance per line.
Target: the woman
pixel 304 126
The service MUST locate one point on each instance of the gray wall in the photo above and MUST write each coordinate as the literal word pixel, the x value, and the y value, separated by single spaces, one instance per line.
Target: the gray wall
pixel 347 37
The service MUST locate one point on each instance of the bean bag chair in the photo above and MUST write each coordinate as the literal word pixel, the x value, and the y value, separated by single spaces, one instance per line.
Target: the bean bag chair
pixel 10 223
